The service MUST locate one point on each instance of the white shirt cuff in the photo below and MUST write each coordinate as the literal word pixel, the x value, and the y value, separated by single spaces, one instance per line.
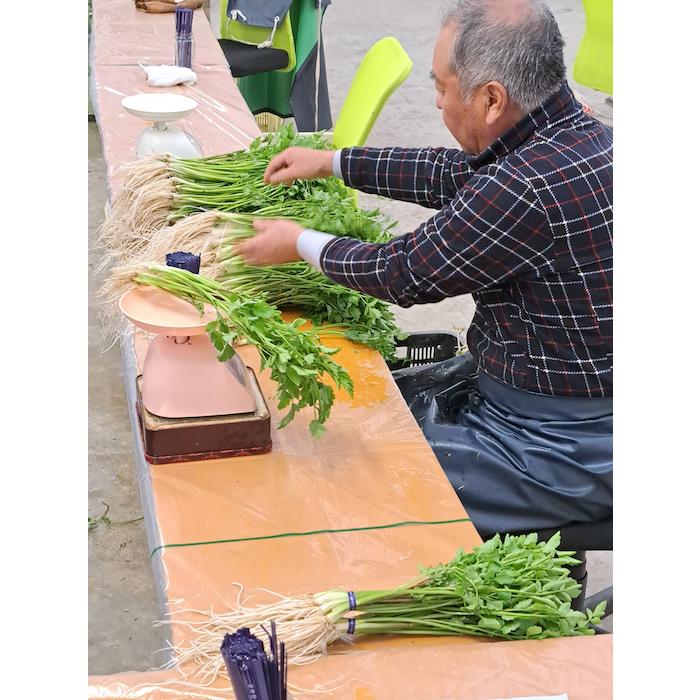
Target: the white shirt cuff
pixel 337 170
pixel 310 245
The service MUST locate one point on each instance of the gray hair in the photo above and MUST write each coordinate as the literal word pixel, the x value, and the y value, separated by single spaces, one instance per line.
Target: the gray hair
pixel 524 53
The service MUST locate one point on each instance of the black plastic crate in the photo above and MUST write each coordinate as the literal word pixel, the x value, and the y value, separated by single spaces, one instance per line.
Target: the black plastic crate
pixel 424 349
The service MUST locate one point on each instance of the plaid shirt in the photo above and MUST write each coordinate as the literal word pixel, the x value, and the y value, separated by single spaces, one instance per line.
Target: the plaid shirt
pixel 525 227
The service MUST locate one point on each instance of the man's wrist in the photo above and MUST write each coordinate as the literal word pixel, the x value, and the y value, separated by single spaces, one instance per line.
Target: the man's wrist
pixel 310 245
pixel 337 169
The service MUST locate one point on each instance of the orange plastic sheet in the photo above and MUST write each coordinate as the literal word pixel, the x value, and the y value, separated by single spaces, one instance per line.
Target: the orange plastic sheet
pixel 121 37
pixel 425 669
pixel 362 507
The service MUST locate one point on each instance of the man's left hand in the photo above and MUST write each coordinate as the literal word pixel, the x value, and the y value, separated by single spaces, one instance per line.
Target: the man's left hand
pixel 275 243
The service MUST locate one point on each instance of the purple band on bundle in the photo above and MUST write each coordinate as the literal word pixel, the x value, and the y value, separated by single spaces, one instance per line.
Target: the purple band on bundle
pixel 351 625
pixel 183 261
pixel 351 601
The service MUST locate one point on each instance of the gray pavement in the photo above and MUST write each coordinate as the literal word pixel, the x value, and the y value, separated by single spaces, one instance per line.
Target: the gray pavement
pixel 121 596
pixel 122 600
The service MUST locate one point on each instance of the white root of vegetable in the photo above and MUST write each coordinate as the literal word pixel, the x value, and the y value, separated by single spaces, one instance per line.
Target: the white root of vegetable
pixel 300 622
pixel 193 234
pixel 179 690
pixel 141 206
pixel 197 233
pixel 120 280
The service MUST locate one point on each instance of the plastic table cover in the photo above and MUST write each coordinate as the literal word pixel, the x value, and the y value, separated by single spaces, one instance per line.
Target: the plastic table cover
pixel 370 491
pixel 213 525
pixel 362 507
pixel 121 37
pixel 422 670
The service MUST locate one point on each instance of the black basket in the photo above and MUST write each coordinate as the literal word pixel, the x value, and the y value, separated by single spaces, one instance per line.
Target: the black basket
pixel 424 349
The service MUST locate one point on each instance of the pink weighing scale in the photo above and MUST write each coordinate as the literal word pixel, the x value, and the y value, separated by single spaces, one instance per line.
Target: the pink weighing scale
pixel 190 405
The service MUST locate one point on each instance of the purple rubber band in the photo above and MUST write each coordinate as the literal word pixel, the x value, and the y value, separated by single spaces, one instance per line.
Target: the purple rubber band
pixel 351 600
pixel 351 625
pixel 183 261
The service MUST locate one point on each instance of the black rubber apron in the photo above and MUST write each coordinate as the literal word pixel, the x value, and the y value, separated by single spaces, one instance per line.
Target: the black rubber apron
pixel 517 460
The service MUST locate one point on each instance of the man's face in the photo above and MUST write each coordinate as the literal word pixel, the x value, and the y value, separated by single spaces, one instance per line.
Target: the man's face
pixel 462 119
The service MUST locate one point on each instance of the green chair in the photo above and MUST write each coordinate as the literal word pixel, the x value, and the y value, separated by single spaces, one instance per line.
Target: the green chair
pixel 384 67
pixel 594 61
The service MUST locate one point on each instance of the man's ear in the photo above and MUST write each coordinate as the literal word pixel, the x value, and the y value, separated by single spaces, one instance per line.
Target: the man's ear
pixel 495 101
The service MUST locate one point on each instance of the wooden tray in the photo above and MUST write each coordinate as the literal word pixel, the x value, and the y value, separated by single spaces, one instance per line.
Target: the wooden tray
pixel 170 440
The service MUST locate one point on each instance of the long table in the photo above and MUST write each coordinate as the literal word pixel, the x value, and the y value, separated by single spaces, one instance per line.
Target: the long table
pixel 122 39
pixel 362 507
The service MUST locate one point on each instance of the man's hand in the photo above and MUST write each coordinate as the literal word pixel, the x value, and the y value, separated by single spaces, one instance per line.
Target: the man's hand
pixel 274 244
pixel 298 164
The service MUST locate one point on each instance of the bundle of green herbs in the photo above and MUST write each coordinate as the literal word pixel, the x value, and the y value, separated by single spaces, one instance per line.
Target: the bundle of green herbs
pixel 511 589
pixel 296 358
pixel 362 318
pixel 213 235
pixel 161 189
pixel 357 316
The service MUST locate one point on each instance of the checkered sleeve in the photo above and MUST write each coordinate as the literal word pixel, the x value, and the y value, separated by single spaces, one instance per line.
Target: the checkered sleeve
pixel 427 176
pixel 494 229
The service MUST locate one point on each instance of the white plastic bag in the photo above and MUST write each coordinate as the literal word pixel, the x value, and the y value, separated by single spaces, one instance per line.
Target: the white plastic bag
pixel 167 76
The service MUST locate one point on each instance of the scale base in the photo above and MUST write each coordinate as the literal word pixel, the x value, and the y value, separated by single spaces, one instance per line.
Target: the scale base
pixel 172 440
pixel 186 379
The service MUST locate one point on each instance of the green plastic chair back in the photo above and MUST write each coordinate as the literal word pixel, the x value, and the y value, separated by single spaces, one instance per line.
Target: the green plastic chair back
pixel 594 61
pixel 248 34
pixel 384 67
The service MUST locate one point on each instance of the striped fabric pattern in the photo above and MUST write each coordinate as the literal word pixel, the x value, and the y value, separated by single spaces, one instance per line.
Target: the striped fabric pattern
pixel 525 227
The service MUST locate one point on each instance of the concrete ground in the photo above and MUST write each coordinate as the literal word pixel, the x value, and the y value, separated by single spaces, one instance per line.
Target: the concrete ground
pixel 122 601
pixel 121 596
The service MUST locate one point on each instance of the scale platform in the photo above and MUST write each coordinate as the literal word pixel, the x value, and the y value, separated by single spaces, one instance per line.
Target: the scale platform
pixel 172 440
pixel 163 136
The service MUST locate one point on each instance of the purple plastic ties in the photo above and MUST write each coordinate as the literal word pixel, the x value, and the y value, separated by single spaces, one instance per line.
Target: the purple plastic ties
pixel 183 261
pixel 183 37
pixel 351 625
pixel 254 675
pixel 351 601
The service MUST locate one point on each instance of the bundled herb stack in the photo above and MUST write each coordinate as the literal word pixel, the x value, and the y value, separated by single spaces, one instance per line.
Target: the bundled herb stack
pixel 511 589
pixel 173 204
pixel 254 675
pixel 161 189
pixel 338 309
pixel 364 319
pixel 296 358
pixel 213 235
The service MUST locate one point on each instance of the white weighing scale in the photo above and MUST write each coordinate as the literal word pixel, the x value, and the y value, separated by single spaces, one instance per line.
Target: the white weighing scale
pixel 162 109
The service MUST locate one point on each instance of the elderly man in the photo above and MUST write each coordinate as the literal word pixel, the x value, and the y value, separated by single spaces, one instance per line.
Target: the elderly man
pixel 525 226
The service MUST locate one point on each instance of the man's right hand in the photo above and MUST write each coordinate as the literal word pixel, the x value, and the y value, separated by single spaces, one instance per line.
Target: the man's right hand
pixel 298 164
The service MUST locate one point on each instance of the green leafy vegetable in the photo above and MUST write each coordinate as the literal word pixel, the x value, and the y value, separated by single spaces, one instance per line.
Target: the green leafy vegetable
pixel 296 358
pixel 513 588
pixel 233 182
pixel 358 316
